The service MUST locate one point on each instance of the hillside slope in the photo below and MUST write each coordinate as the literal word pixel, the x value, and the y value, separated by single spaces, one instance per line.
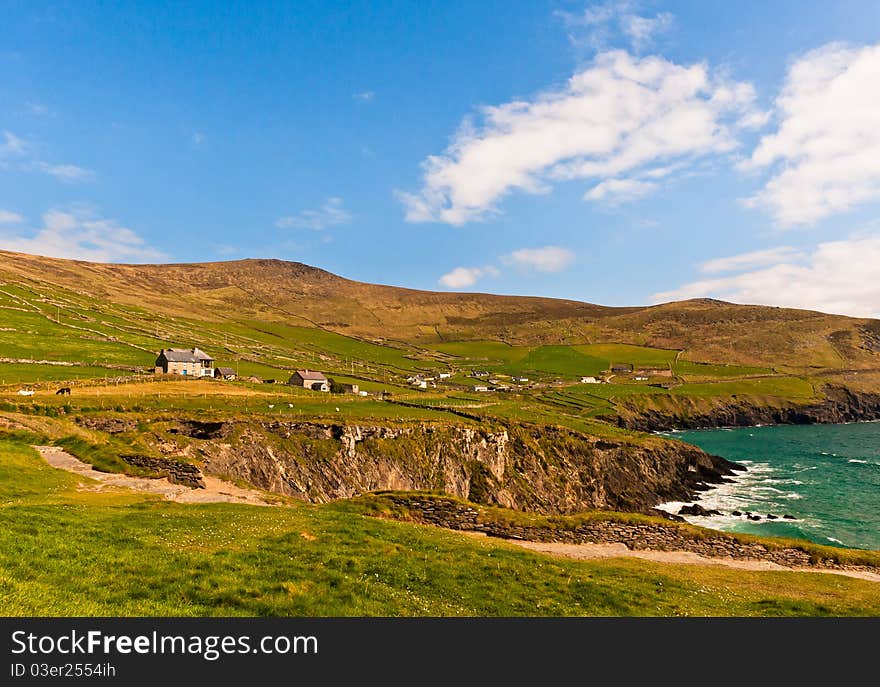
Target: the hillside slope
pixel 296 294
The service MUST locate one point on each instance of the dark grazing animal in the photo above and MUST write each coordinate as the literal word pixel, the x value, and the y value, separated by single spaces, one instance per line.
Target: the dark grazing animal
pixel 63 392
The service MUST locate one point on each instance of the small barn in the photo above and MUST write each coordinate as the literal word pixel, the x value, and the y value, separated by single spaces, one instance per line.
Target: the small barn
pixel 309 379
pixel 622 368
pixel 225 373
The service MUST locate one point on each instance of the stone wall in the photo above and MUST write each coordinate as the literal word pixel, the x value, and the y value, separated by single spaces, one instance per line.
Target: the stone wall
pixel 451 514
pixel 177 472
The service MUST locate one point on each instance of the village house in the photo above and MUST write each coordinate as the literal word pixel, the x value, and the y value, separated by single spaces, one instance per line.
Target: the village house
pixel 622 368
pixel 225 373
pixel 481 388
pixel 309 379
pixel 190 362
pixel 445 375
pixel 589 380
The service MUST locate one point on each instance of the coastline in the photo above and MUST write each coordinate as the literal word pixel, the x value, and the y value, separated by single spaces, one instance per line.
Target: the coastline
pixel 780 494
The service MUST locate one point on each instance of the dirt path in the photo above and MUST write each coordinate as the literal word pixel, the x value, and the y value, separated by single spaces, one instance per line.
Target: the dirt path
pixel 215 491
pixel 599 551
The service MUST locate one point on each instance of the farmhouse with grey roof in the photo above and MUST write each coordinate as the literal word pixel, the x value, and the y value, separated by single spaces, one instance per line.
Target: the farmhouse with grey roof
pixel 190 362
pixel 309 379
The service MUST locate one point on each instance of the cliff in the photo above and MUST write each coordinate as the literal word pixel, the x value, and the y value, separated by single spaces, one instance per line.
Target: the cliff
pixel 838 404
pixel 542 469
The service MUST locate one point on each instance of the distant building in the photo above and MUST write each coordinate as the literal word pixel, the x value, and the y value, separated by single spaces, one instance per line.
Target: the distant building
pixel 481 388
pixel 190 362
pixel 622 368
pixel 520 379
pixel 641 379
pixel 479 373
pixel 226 373
pixel 589 380
pixel 445 375
pixel 309 379
pixel 342 388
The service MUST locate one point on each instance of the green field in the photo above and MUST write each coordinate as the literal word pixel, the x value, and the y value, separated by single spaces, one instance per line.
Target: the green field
pixel 66 552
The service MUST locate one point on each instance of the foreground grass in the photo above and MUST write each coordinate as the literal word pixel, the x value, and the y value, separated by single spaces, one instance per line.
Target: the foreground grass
pixel 69 552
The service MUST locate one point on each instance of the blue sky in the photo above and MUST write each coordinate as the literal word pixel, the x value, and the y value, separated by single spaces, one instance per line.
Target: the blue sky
pixel 616 152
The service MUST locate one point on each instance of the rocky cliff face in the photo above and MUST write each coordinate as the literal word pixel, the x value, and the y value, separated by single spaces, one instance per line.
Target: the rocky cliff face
pixel 839 405
pixel 543 469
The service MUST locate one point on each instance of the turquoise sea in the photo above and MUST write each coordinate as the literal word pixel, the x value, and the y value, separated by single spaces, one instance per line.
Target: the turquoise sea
pixel 826 476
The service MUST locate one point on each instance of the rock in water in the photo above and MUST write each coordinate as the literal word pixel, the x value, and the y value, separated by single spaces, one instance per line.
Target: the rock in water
pixel 697 509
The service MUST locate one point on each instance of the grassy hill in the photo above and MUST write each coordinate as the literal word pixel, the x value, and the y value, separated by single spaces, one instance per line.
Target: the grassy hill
pixel 68 551
pixel 66 320
pixel 97 328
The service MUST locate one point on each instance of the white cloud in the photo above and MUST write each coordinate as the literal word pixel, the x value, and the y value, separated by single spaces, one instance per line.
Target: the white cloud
pixel 7 217
pixel 12 145
pixel 67 173
pixel 546 259
pixel 198 138
pixel 836 277
pixel 825 153
pixel 80 235
pixel 621 118
pixel 330 214
pixel 462 277
pixel 641 30
pixel 37 109
pixel 616 21
pixel 616 191
pixel 745 261
pixel 364 96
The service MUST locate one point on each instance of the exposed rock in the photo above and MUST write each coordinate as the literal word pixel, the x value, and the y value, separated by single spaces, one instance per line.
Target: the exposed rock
pixel 789 517
pixel 736 513
pixel 697 509
pixel 177 472
pixel 111 425
pixel 753 517
pixel 682 412
pixel 543 469
pixel 446 512
pixel 201 430
pixel 770 516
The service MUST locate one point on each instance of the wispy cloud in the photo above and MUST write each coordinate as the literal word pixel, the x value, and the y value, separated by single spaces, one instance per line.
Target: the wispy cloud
pixel 7 217
pixel 18 153
pixel 69 174
pixel 745 261
pixel 546 259
pixel 618 191
pixel 81 235
pixel 331 213
pixel 37 109
pixel 825 152
pixel 836 277
pixel 603 25
pixel 618 122
pixel 364 96
pixel 12 145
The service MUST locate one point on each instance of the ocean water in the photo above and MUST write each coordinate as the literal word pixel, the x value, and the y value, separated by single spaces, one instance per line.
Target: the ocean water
pixel 826 476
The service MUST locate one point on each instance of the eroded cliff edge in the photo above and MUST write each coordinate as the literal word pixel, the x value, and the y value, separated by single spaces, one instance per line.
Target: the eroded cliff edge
pixel 541 469
pixel 838 404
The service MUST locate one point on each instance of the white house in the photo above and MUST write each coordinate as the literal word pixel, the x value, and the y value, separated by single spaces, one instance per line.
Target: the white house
pixel 589 380
pixel 481 388
pixel 445 375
